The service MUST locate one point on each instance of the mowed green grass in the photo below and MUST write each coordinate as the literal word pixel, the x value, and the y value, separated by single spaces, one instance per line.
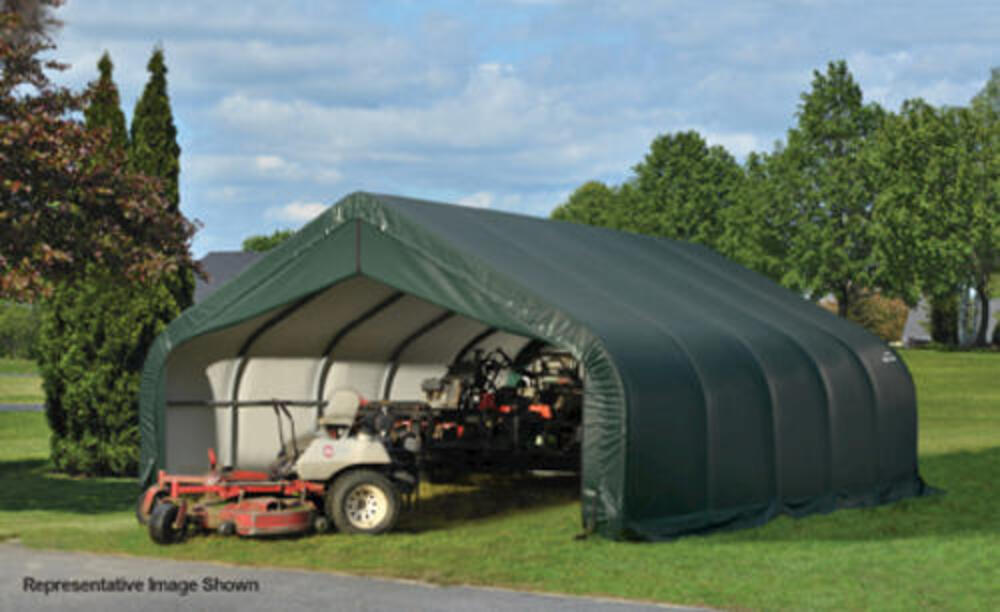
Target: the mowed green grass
pixel 940 552
pixel 17 366
pixel 19 382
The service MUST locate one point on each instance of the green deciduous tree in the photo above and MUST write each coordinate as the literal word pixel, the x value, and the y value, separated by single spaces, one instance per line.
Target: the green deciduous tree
pixel 759 225
pixel 262 243
pixel 989 95
pixel 939 210
pixel 922 171
pixel 684 188
pixel 832 189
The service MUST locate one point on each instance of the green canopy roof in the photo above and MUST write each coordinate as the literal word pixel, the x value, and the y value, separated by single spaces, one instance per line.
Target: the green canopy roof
pixel 713 397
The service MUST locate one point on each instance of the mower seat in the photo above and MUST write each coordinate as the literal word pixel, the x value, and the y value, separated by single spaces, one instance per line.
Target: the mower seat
pixel 342 409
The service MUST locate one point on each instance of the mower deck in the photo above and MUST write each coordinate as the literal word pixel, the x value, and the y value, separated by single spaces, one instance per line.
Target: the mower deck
pixel 241 502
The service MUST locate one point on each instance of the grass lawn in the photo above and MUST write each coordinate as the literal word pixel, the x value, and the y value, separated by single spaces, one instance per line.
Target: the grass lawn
pixel 17 366
pixel 19 382
pixel 940 552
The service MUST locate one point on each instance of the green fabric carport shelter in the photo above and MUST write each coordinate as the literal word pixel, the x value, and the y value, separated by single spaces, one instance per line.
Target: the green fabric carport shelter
pixel 713 397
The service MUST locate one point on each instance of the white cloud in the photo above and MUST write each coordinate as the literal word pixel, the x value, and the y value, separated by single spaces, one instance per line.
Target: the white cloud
pixel 269 162
pixel 739 144
pixel 328 176
pixel 480 199
pixel 296 212
pixel 501 104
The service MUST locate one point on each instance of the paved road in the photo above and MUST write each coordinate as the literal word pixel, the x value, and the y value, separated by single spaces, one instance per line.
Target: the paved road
pixel 274 589
pixel 21 408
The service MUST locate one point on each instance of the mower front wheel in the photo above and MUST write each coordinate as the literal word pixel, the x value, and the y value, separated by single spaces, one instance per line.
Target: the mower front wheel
pixel 162 529
pixel 363 501
pixel 143 517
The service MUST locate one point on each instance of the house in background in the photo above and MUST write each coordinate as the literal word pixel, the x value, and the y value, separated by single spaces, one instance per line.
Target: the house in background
pixel 221 267
pixel 918 327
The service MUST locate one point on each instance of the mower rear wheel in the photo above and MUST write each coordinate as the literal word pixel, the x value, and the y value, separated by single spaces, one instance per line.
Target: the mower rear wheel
pixel 161 523
pixel 363 501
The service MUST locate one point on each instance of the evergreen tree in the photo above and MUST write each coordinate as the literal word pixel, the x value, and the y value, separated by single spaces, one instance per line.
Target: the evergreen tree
pixel 104 110
pixel 154 152
pixel 94 335
pixel 93 338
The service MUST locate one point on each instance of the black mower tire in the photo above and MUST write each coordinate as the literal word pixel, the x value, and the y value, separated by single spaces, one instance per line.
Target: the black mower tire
pixel 363 501
pixel 161 524
pixel 139 515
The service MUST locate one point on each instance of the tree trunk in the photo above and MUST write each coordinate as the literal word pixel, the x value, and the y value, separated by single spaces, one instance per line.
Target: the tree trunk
pixel 842 302
pixel 982 289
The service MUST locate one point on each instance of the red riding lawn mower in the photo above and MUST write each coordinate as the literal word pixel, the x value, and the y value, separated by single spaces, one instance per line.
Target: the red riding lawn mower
pixel 489 414
pixel 341 472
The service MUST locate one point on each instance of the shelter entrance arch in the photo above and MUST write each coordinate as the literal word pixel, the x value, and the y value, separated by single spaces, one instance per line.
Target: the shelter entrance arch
pixel 389 347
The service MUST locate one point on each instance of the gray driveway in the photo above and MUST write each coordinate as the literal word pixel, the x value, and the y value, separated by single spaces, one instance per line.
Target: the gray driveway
pixel 21 408
pixel 26 574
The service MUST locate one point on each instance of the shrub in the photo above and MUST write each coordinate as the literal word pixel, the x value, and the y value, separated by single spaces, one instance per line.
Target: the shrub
pixel 93 339
pixel 885 317
pixel 882 316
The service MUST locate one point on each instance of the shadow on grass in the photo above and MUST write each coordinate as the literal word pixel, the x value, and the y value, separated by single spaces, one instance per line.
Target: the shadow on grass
pixel 971 481
pixel 30 485
pixel 485 497
pixel 968 508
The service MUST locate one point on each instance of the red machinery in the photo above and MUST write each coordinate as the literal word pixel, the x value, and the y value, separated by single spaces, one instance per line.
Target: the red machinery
pixel 242 502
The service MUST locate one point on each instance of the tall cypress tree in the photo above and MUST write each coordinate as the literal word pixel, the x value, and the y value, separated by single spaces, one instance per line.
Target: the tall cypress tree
pixel 154 152
pixel 94 333
pixel 105 110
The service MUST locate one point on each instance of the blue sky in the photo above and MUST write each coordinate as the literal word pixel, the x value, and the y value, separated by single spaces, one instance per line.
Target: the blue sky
pixel 285 107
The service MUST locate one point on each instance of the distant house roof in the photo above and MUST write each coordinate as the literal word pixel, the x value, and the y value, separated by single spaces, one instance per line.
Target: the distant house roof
pixel 221 267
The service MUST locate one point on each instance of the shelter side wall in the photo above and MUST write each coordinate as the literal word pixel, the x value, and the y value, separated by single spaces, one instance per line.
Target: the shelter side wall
pixel 890 440
pixel 364 377
pixel 666 463
pixel 191 431
pixel 897 414
pixel 193 428
pixel 267 378
pixel 200 371
pixel 408 378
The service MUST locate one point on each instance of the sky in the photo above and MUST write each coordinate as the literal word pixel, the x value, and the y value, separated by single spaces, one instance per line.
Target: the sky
pixel 283 108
